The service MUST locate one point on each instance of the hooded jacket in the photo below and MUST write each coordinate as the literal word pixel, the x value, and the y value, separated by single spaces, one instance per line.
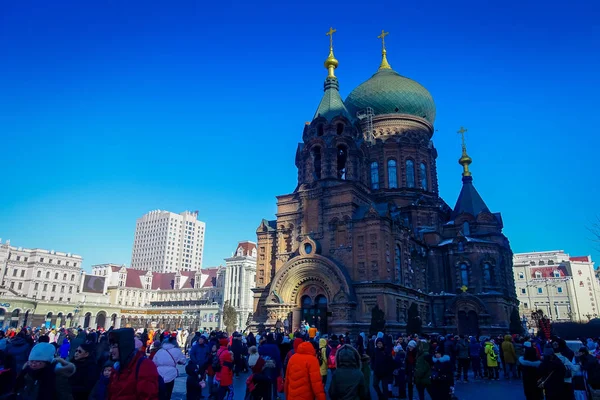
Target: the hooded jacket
pixel 489 351
pixel 508 350
pixel 126 381
pixel 303 380
pixel 19 348
pixel 348 382
pixel 200 354
pixel 423 366
pixel 290 353
pixel 474 348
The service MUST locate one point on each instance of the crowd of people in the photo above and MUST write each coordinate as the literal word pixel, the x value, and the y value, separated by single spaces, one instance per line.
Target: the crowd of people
pixel 125 364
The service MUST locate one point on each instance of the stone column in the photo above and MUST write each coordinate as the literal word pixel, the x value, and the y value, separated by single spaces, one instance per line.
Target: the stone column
pixel 296 318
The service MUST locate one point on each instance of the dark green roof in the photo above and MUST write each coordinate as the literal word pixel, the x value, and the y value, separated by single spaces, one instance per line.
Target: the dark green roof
pixel 469 201
pixel 331 105
pixel 388 92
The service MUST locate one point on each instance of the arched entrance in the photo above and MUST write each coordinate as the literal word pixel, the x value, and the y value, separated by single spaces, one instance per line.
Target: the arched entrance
pixel 314 312
pixel 467 312
pixel 59 320
pixel 113 320
pixel 101 319
pixel 69 321
pixel 86 320
pixel 14 318
pixel 313 288
pixel 48 321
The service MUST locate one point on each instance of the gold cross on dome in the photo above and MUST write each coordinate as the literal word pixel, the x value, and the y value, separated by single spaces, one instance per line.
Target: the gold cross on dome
pixel 462 132
pixel 382 37
pixel 464 288
pixel 330 34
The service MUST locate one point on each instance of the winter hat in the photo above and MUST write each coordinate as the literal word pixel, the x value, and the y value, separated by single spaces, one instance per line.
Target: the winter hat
pixel 223 342
pixel 42 352
pixel 527 344
pixel 87 346
pixel 412 344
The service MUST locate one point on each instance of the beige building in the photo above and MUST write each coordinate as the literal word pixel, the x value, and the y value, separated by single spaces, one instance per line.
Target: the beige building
pixel 168 242
pixel 565 288
pixel 45 275
pixel 184 299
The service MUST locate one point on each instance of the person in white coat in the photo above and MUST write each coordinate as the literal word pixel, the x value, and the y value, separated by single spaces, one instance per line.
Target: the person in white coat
pixel 182 338
pixel 166 360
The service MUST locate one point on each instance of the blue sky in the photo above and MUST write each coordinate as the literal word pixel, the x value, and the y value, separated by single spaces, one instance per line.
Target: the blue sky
pixel 110 109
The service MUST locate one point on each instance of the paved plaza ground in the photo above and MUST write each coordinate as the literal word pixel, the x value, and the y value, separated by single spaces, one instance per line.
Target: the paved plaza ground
pixel 474 390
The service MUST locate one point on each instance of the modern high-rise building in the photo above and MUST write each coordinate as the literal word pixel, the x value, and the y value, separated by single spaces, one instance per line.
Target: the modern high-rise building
pixel 564 288
pixel 168 242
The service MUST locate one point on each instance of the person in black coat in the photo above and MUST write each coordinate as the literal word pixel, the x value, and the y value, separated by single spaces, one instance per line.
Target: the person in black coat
pixel 87 371
pixel 553 372
pixel 530 365
pixel 383 366
pixel 442 377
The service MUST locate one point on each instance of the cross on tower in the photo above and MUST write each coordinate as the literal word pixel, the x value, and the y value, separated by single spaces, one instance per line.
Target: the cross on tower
pixel 382 37
pixel 330 34
pixel 462 132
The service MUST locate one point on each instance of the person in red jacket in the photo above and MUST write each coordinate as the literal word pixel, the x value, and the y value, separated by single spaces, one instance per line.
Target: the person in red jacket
pixel 226 375
pixel 303 378
pixel 134 377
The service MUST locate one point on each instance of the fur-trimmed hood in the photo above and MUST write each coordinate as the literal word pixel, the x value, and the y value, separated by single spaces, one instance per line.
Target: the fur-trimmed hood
pixel 347 357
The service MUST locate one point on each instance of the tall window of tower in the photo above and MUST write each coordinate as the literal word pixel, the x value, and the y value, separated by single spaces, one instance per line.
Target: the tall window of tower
pixel 392 174
pixel 342 157
pixel 410 173
pixel 464 275
pixel 374 175
pixel 339 129
pixel 316 158
pixel 320 130
pixel 398 262
pixel 423 176
pixel 487 274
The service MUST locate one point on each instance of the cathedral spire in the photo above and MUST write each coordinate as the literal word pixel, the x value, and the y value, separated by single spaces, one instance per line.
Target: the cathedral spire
pixel 384 62
pixel 464 160
pixel 331 104
pixel 469 201
pixel 331 63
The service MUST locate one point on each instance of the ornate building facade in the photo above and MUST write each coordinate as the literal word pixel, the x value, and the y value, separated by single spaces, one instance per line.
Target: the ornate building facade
pixel 366 226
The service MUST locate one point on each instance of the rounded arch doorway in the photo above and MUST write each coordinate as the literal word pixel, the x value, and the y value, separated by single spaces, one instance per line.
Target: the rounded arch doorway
pixel 314 311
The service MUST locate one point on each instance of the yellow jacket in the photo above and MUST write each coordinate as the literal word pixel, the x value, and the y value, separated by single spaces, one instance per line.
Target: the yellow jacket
pixel 492 361
pixel 323 350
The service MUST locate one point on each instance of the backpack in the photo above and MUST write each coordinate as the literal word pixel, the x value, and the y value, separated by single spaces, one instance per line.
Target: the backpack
pixel 320 356
pixel 493 354
pixel 331 357
pixel 216 363
pixel 162 389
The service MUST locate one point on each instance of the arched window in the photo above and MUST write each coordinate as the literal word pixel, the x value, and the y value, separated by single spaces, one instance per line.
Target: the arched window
pixel 542 263
pixel 487 274
pixel 339 129
pixel 398 262
pixel 410 173
pixel 423 176
pixel 374 175
pixel 538 274
pixel 556 273
pixel 466 228
pixel 392 174
pixel 550 262
pixel 320 130
pixel 342 157
pixel 464 275
pixel 316 156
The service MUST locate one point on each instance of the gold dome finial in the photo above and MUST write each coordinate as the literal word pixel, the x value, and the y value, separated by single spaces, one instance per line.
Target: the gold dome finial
pixel 384 62
pixel 464 160
pixel 331 63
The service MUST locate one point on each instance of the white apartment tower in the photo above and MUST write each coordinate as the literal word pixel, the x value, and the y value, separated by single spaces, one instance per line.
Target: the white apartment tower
pixel 240 270
pixel 168 242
